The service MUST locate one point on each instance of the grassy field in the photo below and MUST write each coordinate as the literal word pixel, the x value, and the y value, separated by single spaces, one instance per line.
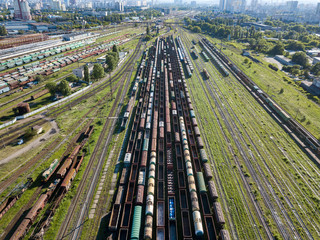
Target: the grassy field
pixel 293 98
pixel 277 171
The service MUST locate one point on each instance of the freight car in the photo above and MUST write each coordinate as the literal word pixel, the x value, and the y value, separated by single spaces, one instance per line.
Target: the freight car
pixel 195 55
pixel 206 74
pixel 50 170
pixel 206 58
pixel 224 235
pixel 218 214
pixel 39 94
pixel 14 196
pixel 67 163
pixel 31 216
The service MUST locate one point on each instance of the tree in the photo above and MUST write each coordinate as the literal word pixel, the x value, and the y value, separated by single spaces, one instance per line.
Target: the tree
pixel 72 78
pixel 39 78
pixel 196 29
pixel 148 38
pixel 115 50
pixel 3 31
pixel 296 46
pixel 86 74
pixel 98 71
pixel 52 87
pixel 111 62
pixel 300 58
pixel 278 49
pixel 148 30
pixel 64 88
pixel 316 69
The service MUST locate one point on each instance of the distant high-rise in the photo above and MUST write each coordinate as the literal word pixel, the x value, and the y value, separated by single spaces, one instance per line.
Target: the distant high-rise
pixel 254 4
pixel 318 9
pixel 292 6
pixel 22 10
pixel 73 2
pixel 119 6
pixel 232 5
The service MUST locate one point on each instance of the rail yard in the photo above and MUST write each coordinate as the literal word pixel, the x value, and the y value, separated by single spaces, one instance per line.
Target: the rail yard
pixel 176 142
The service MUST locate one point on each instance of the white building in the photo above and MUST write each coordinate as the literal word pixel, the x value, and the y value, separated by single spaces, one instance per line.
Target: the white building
pixel 79 72
pixel 316 82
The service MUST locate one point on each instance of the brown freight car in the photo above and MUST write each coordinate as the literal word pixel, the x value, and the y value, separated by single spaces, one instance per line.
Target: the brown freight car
pixel 39 94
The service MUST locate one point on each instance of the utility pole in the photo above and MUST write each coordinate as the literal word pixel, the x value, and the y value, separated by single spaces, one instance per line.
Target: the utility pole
pixel 110 85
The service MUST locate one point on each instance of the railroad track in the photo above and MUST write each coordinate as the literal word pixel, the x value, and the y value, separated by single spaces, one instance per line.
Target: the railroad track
pixel 266 183
pixel 27 166
pixel 248 190
pixel 232 128
pixel 13 223
pixel 116 107
pixel 55 111
pixel 275 177
pixel 152 126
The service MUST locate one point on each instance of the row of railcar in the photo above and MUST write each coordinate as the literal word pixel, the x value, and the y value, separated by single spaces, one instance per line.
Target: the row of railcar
pixel 215 60
pixel 155 197
pixel 134 172
pixel 42 54
pixel 21 76
pixel 50 51
pixel 186 60
pixel 296 128
pixel 207 177
pixel 61 183
pixel 186 149
pixel 14 196
pixel 138 79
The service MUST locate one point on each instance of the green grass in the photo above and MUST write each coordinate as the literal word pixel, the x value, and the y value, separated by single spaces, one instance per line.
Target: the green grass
pixel 278 157
pixel 293 99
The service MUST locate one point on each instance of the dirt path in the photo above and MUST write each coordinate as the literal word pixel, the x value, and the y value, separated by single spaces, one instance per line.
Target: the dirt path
pixel 35 143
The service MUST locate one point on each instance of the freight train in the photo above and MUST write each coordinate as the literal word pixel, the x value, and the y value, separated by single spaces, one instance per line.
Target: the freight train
pixel 23 75
pixel 14 196
pixel 164 147
pixel 65 175
pixel 296 128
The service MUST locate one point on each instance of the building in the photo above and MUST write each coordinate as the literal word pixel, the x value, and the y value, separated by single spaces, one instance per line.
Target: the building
pixel 75 36
pixel 291 6
pixel 232 5
pixel 119 6
pixel 283 60
pixel 21 10
pixel 79 72
pixel 318 9
pixel 56 5
pixel 193 3
pixel 38 129
pixel 42 27
pixel 315 60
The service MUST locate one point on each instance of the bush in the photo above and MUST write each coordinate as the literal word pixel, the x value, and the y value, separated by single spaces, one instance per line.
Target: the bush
pixel 29 134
